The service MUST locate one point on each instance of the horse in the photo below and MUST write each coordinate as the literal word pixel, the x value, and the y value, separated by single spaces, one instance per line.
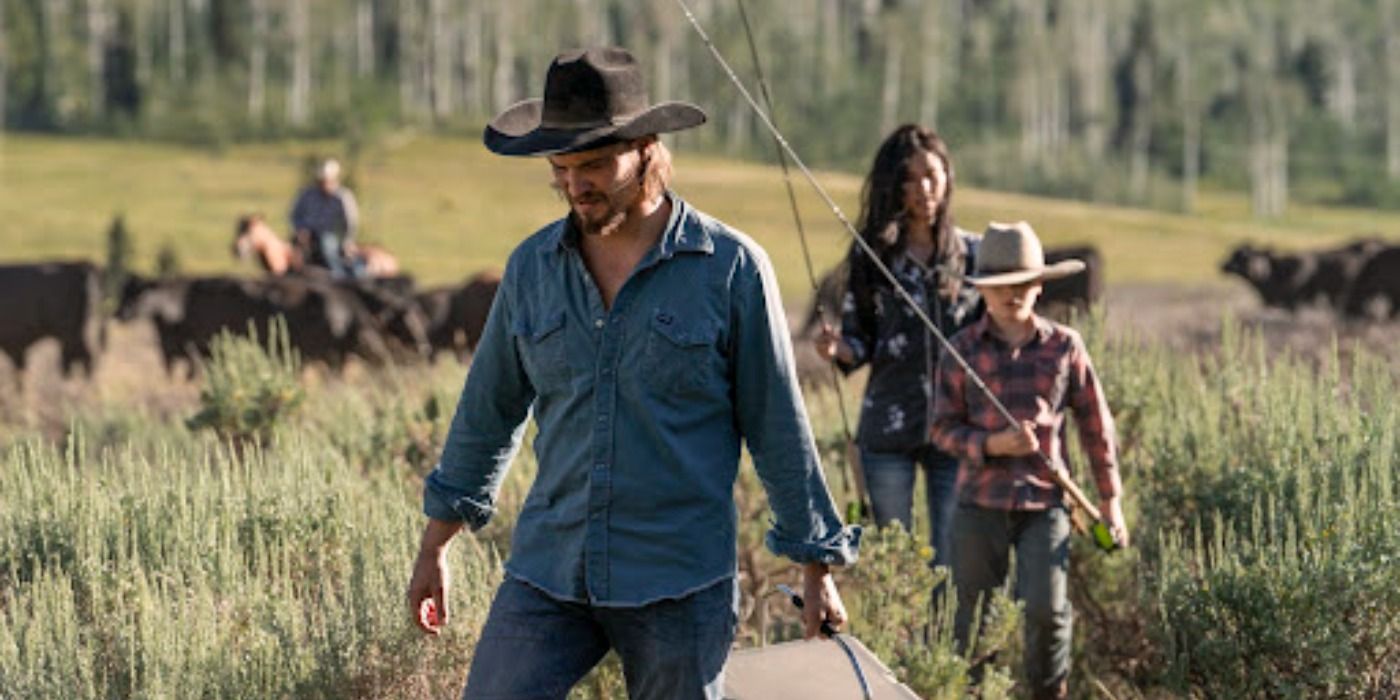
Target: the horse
pixel 254 237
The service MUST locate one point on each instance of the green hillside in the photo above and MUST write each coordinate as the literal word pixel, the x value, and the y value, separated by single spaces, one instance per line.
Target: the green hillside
pixel 447 207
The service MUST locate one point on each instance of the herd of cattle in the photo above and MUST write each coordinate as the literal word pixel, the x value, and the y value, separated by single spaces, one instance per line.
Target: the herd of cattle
pixel 388 320
pixel 328 321
pixel 1358 280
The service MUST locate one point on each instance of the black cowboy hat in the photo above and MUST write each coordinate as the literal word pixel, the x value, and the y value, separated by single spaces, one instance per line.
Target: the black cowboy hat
pixel 592 98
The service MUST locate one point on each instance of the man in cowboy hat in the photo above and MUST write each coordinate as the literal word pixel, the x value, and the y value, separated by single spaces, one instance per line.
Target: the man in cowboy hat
pixel 324 219
pixel 648 339
pixel 1006 497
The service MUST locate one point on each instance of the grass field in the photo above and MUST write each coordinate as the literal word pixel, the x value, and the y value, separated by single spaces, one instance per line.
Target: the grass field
pixel 140 557
pixel 447 207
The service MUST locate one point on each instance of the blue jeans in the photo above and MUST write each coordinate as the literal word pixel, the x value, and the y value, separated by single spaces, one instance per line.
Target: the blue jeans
pixel 889 476
pixel 535 647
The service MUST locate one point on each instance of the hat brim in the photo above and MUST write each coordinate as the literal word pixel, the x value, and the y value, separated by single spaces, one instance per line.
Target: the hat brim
pixel 517 130
pixel 1061 269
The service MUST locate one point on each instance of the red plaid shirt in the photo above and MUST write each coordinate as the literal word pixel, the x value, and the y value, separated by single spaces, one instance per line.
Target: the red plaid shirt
pixel 1037 382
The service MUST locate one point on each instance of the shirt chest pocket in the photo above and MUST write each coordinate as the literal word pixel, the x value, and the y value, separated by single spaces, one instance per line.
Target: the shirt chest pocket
pixel 681 356
pixel 544 350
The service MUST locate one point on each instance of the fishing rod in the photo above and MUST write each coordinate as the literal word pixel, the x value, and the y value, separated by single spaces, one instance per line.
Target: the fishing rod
pixel 854 468
pixel 834 636
pixel 1102 536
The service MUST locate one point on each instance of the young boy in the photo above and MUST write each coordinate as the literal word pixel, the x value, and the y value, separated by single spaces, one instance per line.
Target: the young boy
pixel 1006 498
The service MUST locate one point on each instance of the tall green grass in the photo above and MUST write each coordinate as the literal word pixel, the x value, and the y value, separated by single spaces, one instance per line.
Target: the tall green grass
pixel 141 559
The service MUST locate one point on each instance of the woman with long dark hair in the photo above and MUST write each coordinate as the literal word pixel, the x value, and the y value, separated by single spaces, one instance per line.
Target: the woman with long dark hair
pixel 905 218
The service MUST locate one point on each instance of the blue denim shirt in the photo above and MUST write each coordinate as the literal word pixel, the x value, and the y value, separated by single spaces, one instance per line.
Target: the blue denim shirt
pixel 641 409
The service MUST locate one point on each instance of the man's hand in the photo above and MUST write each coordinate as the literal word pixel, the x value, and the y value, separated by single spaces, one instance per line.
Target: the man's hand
pixel 1014 442
pixel 1112 511
pixel 427 592
pixel 427 589
pixel 821 600
pixel 830 346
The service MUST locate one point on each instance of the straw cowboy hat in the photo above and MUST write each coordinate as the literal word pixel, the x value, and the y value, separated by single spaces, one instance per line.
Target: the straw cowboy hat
pixel 592 98
pixel 1011 254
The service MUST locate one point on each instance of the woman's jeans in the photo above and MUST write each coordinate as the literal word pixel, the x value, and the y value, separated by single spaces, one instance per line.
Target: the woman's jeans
pixel 535 647
pixel 889 477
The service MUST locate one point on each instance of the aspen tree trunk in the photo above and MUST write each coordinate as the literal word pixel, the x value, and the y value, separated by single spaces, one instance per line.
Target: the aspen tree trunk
pixel 364 39
pixel 407 103
pixel 1093 65
pixel 473 87
pixel 1190 126
pixel 1390 69
pixel 342 69
pixel 176 27
pixel 934 52
pixel 299 90
pixel 441 96
pixel 1140 136
pixel 889 89
pixel 96 49
pixel 1030 17
pixel 51 54
pixel 590 20
pixel 738 126
pixel 663 46
pixel 1343 98
pixel 831 41
pixel 257 62
pixel 503 79
pixel 142 38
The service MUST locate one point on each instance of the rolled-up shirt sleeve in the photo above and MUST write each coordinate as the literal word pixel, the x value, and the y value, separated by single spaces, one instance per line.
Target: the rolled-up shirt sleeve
pixel 773 422
pixel 487 427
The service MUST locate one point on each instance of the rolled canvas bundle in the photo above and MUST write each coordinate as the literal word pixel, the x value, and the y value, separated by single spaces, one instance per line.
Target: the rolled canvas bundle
pixel 815 670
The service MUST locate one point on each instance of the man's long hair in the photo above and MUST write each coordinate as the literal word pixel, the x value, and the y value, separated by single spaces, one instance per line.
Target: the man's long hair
pixel 657 178
pixel 882 222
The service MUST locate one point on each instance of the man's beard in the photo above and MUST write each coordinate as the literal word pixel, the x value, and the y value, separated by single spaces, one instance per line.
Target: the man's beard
pixel 605 222
pixel 616 202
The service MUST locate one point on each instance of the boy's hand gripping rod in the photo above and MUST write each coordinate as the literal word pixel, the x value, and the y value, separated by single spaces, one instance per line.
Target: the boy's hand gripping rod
pixel 1103 537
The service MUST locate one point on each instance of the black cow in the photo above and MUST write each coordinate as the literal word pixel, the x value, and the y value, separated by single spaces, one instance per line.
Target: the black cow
pixel 397 315
pixel 1378 281
pixel 325 323
pixel 457 315
pixel 1279 278
pixel 1336 270
pixel 60 300
pixel 1078 292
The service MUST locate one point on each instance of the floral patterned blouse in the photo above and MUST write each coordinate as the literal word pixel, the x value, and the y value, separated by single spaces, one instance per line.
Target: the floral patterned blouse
pixel 884 332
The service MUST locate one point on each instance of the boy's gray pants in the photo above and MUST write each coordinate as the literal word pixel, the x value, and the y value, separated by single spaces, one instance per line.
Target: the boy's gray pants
pixel 982 543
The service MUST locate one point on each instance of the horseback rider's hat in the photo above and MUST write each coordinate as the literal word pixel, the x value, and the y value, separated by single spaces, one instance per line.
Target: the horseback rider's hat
pixel 1011 254
pixel 592 98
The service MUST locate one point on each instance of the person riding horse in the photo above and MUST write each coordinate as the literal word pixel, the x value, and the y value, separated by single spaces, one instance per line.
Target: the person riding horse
pixel 324 220
pixel 255 240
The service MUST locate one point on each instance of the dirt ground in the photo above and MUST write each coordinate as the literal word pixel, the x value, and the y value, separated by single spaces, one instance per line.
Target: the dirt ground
pixel 1190 318
pixel 130 377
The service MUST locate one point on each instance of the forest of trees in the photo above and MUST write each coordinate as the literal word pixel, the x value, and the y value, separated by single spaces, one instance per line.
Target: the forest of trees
pixel 1119 100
